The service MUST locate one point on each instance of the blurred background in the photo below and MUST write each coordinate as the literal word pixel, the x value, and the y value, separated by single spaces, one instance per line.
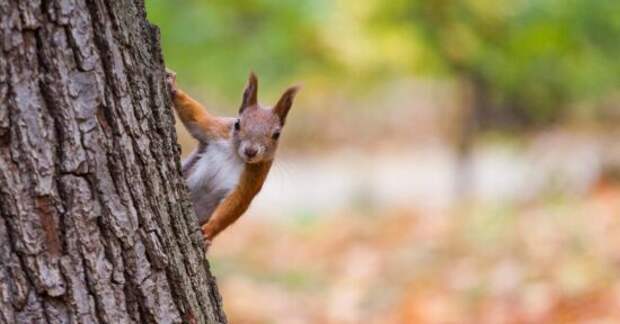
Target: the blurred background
pixel 445 162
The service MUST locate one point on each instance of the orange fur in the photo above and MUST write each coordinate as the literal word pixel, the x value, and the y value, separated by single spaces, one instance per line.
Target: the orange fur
pixel 259 126
pixel 252 177
pixel 238 201
pixel 192 113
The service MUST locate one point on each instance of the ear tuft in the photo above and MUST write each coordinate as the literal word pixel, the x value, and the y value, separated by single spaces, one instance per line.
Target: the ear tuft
pixel 284 104
pixel 250 93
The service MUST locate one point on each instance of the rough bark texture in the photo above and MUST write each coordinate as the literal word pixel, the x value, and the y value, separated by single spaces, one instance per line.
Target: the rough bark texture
pixel 95 221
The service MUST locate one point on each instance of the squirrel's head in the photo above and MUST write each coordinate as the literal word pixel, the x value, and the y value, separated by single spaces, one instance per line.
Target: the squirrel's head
pixel 256 131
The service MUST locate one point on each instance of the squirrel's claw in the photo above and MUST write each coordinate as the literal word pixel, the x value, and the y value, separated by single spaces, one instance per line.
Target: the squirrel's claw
pixel 206 238
pixel 171 81
pixel 207 243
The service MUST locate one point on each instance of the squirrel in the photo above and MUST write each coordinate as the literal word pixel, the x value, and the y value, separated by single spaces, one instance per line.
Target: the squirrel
pixel 234 154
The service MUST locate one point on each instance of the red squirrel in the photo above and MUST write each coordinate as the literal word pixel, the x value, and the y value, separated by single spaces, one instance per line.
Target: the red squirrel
pixel 234 154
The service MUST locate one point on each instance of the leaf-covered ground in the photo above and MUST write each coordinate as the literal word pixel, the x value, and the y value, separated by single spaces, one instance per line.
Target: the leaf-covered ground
pixel 553 261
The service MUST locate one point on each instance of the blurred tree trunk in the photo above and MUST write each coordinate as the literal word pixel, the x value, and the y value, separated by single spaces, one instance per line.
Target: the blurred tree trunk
pixel 95 223
pixel 466 137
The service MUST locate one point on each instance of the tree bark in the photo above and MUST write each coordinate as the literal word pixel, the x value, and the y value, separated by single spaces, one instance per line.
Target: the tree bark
pixel 95 221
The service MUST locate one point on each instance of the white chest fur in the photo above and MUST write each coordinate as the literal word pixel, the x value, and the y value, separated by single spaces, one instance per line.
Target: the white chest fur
pixel 217 170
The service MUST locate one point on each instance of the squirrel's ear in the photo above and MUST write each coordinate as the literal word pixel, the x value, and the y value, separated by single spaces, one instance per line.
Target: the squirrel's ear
pixel 284 104
pixel 249 94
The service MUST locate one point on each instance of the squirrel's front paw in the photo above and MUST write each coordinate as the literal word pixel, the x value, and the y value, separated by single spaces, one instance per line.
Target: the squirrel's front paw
pixel 207 244
pixel 171 81
pixel 206 237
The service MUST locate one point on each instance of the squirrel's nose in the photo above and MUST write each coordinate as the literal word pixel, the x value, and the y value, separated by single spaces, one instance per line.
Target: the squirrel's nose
pixel 250 152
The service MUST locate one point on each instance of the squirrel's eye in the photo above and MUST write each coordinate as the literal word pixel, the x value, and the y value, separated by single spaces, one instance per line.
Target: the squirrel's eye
pixel 237 125
pixel 275 135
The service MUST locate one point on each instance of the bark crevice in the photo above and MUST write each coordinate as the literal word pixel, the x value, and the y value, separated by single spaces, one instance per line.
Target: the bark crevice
pixel 96 215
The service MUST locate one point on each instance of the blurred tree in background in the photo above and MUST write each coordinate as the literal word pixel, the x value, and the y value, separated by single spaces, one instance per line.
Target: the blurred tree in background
pixel 527 59
pixel 529 62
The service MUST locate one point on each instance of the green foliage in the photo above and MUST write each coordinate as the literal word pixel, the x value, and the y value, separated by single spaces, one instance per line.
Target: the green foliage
pixel 219 42
pixel 539 57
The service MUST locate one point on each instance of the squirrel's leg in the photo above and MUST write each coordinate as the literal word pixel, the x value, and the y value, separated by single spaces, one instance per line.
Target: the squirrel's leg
pixel 237 201
pixel 199 122
pixel 226 213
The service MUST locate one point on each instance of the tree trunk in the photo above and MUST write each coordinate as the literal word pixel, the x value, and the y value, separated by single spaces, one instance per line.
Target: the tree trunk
pixel 95 221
